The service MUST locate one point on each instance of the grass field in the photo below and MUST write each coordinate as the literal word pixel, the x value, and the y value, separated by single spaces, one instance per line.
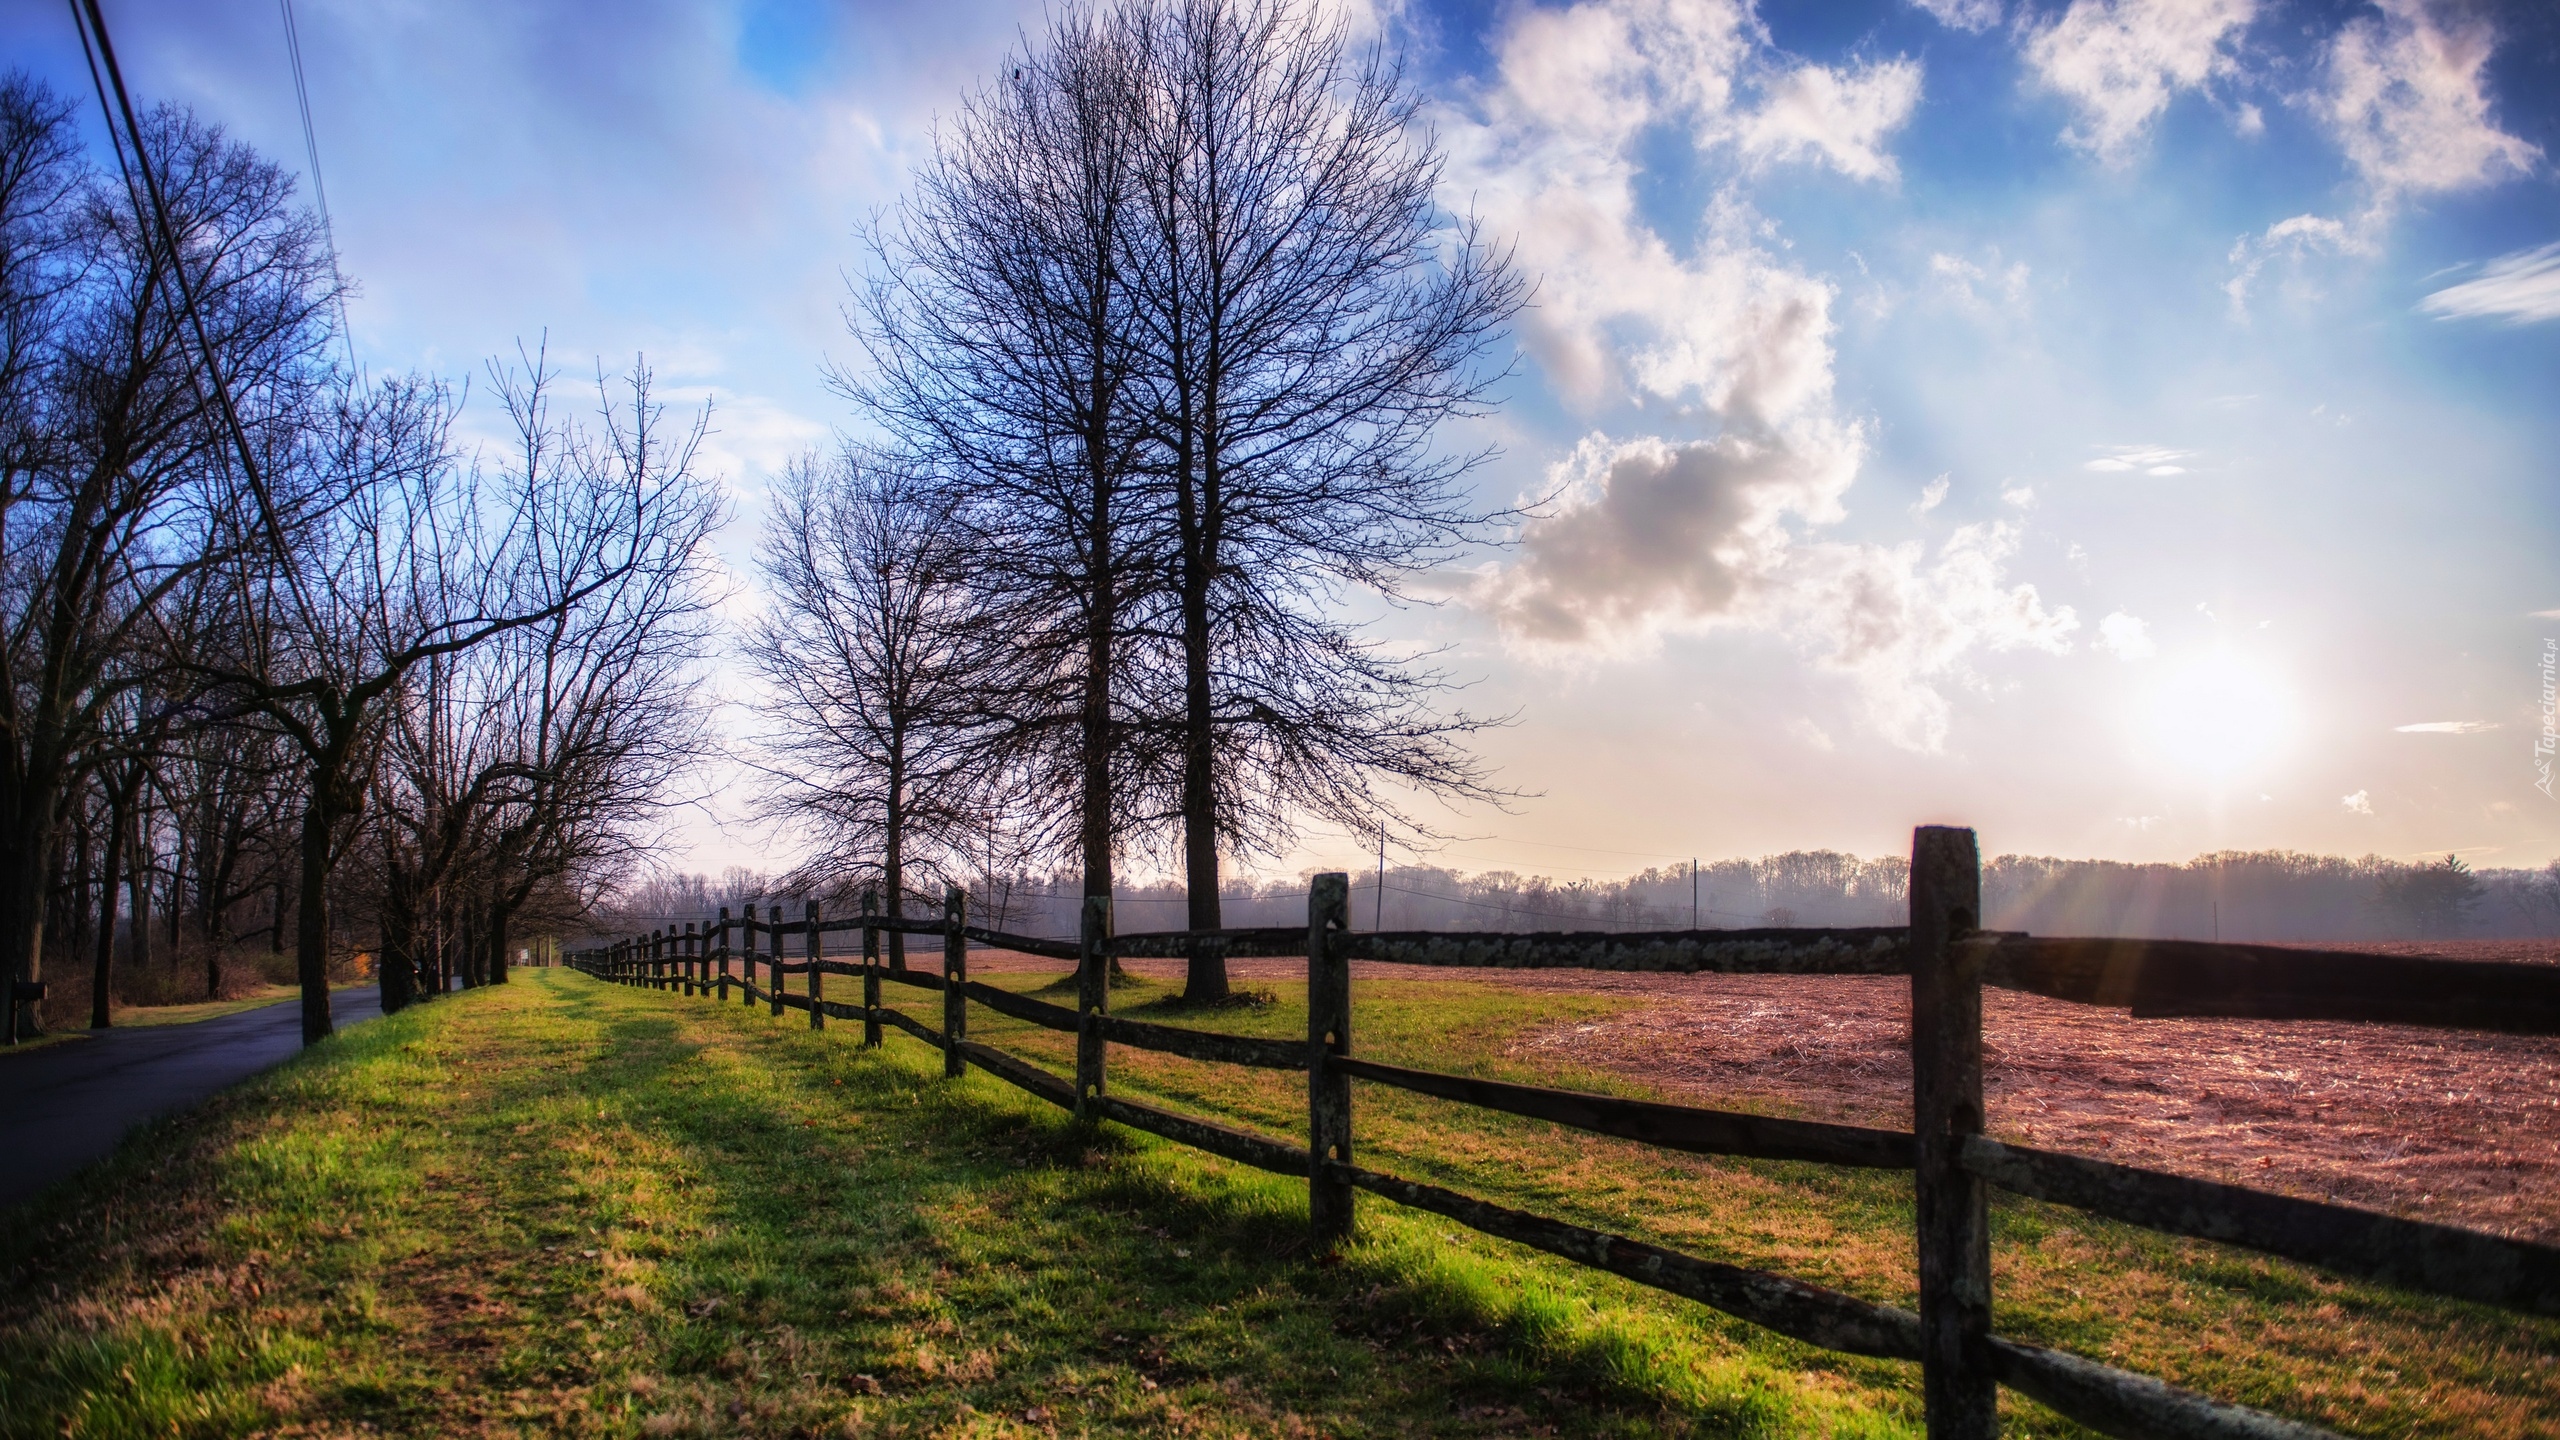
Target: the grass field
pixel 564 1207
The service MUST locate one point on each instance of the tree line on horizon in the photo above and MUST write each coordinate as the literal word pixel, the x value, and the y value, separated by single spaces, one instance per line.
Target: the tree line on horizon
pixel 2263 895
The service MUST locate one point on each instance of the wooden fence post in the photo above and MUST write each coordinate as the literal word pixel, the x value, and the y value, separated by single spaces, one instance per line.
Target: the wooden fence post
pixel 1328 1035
pixel 773 930
pixel 692 960
pixel 747 939
pixel 955 975
pixel 817 980
pixel 723 950
pixel 1960 1397
pixel 1093 998
pixel 871 968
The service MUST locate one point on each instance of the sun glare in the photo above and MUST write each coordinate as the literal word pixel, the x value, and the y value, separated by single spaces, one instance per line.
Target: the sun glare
pixel 2220 717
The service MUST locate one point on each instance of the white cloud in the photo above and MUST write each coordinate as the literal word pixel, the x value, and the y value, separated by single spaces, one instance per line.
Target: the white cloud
pixel 1901 623
pixel 2149 459
pixel 1550 158
pixel 2519 288
pixel 2022 496
pixel 2121 61
pixel 2447 727
pixel 1655 538
pixel 2295 238
pixel 1981 286
pixel 1969 15
pixel 1654 535
pixel 2404 97
pixel 2405 100
pixel 2360 803
pixel 1841 117
pixel 2127 636
pixel 1932 495
pixel 1658 534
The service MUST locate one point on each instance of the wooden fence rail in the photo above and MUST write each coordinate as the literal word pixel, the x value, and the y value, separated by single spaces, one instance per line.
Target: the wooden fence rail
pixel 1954 1164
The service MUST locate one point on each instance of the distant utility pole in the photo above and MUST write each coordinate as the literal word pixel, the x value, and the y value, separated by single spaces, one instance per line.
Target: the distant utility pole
pixel 1378 916
pixel 1693 892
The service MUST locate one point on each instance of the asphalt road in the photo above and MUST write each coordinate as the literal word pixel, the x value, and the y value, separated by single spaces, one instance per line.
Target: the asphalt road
pixel 66 1105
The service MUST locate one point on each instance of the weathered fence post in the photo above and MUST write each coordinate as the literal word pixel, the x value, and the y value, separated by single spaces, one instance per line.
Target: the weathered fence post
pixel 1328 1035
pixel 723 949
pixel 871 968
pixel 1093 998
pixel 1960 1397
pixel 747 958
pixel 773 929
pixel 817 980
pixel 955 977
pixel 692 960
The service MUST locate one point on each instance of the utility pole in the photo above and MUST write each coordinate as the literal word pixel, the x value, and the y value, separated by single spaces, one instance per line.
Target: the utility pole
pixel 1378 914
pixel 1693 892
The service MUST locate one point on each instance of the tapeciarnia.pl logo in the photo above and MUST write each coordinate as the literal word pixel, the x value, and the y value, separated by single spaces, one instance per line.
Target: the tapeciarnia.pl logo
pixel 2549 740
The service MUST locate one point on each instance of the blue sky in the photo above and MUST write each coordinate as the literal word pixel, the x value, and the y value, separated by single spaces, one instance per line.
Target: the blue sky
pixel 2112 425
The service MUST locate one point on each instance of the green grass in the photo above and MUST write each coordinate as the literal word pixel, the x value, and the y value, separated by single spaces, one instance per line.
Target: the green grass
pixel 560 1207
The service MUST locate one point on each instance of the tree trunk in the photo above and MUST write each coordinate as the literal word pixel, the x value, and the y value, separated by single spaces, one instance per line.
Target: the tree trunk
pixel 110 875
pixel 397 965
pixel 893 862
pixel 138 890
pixel 311 930
pixel 83 874
pixel 22 906
pixel 1205 976
pixel 1095 736
pixel 497 945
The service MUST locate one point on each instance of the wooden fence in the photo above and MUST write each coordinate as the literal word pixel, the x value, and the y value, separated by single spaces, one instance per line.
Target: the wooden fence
pixel 1954 1164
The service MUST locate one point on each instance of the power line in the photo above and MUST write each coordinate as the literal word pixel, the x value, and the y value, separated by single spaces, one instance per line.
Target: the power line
pixel 319 187
pixel 86 14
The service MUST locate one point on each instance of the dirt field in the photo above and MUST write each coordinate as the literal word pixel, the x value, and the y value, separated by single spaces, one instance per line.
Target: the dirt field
pixel 2429 1124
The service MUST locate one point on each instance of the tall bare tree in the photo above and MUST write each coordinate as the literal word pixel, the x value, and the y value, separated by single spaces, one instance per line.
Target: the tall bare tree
pixel 877 660
pixel 1308 316
pixel 997 324
pixel 115 469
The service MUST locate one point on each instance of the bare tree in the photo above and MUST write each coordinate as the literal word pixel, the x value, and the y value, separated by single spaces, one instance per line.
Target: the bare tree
pixel 419 556
pixel 998 329
pixel 876 658
pixel 1308 316
pixel 114 469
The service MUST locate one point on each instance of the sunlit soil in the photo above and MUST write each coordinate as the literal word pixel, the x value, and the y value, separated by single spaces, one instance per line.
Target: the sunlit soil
pixel 2432 1124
